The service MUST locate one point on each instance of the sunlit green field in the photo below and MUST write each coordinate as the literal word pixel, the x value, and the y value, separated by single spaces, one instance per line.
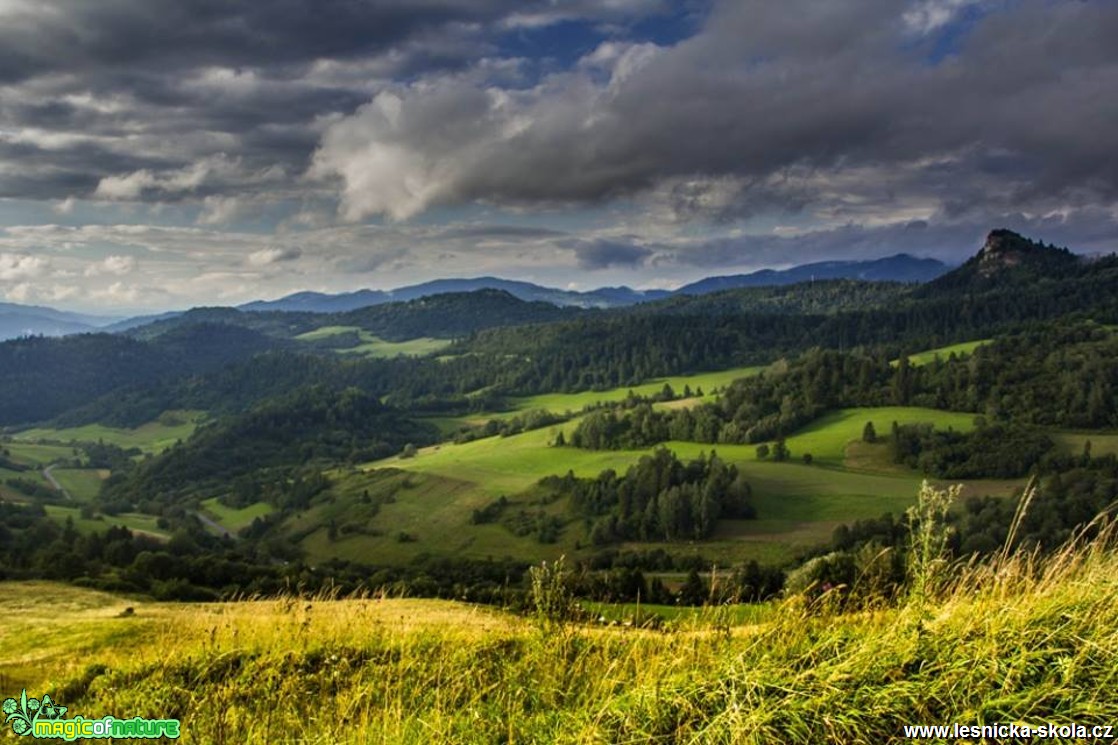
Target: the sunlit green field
pixel 234 519
pixel 131 520
pixel 38 455
pixel 82 484
pixel 374 346
pixel 575 402
pixel 828 436
pixel 1101 443
pixel 798 505
pixel 153 437
pixel 967 347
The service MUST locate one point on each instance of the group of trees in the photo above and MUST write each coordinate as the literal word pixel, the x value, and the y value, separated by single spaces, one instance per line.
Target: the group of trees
pixel 995 451
pixel 658 498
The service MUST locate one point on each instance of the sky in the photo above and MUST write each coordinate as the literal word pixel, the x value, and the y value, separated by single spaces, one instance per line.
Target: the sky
pixel 159 154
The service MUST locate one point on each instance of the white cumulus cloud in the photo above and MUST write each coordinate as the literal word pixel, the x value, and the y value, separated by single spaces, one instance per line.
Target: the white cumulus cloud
pixel 14 267
pixel 114 265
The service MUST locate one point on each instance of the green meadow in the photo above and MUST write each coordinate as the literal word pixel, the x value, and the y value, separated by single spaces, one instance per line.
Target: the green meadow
pixel 82 484
pixel 1101 443
pixel 8 492
pixel 38 455
pixel 374 346
pixel 99 524
pixel 798 505
pixel 575 402
pixel 152 437
pixel 965 348
pixel 234 519
pixel 827 437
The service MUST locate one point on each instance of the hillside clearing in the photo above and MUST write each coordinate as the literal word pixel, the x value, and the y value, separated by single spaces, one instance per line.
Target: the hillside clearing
pixel 152 437
pixel 370 345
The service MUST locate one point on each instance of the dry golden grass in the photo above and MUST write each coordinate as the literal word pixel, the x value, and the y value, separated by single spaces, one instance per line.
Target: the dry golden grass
pixel 1016 639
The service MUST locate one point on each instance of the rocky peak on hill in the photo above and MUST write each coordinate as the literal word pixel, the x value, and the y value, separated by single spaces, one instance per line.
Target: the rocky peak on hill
pixel 1005 249
pixel 1006 258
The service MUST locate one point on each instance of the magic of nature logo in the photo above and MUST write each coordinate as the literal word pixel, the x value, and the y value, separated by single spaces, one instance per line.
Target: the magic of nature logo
pixel 45 719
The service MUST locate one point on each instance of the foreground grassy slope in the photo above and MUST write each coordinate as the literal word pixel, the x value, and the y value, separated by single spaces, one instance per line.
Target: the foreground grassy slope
pixel 1016 642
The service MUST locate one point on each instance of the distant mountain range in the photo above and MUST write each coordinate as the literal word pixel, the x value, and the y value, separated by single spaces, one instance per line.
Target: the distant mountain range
pixel 899 268
pixel 36 320
pixel 23 320
pixel 317 302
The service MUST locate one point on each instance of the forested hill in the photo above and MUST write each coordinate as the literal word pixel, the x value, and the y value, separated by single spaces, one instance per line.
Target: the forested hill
pixel 41 378
pixel 447 316
pixel 451 315
pixel 619 348
pixel 274 325
pixel 813 297
pixel 273 441
pixel 155 365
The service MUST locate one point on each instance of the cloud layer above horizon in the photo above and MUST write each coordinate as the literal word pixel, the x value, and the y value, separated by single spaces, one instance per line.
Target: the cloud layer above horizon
pixel 165 153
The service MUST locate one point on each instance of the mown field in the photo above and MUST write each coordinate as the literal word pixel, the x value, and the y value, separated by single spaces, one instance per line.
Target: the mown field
pixel 153 437
pixel 233 519
pixel 929 355
pixel 1013 641
pixel 373 346
pixel 134 521
pixel 428 509
pixel 82 484
pixel 38 455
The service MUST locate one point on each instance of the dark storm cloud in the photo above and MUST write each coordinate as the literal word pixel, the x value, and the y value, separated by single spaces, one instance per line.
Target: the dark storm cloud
pixel 176 81
pixel 42 173
pixel 867 114
pixel 784 104
pixel 66 35
pixel 602 254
